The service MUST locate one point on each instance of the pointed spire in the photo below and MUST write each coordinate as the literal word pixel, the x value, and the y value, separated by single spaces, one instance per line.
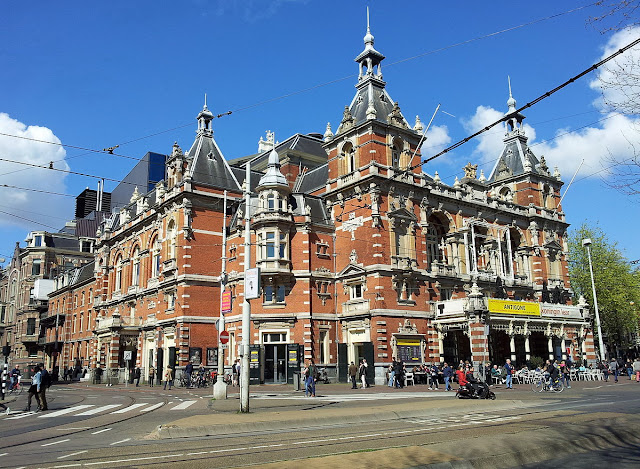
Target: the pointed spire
pixel 511 102
pixel 418 127
pixel 204 119
pixel 456 183
pixel 328 134
pixel 436 177
pixel 135 196
pixel 482 178
pixel 368 38
pixel 273 176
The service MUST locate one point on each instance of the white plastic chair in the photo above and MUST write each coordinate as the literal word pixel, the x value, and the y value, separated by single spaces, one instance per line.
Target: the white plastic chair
pixel 408 377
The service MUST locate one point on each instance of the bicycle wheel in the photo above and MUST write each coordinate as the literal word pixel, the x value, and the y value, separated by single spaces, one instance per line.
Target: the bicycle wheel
pixel 557 387
pixel 537 385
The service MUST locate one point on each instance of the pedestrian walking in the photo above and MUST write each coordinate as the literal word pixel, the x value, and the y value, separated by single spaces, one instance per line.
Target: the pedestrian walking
pixel 447 373
pixel 168 378
pixel 34 389
pixel 235 373
pixel 353 374
pixel 136 375
pixel 392 372
pixel 508 367
pixel 45 383
pixel 152 375
pixel 613 368
pixel 434 371
pixel 313 374
pixel 362 372
pixel 98 374
pixel 636 369
pixel 188 371
pixel 399 373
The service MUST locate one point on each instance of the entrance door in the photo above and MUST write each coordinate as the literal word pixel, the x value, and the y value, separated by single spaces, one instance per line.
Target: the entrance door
pixel 275 363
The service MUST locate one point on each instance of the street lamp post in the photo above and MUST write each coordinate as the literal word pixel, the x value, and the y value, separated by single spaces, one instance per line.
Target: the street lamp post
pixel 587 243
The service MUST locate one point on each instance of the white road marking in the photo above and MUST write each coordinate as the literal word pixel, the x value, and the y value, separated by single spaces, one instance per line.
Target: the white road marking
pixel 65 429
pixel 21 416
pixel 72 454
pixel 133 459
pixel 66 411
pixel 153 407
pixel 131 407
pixel 184 405
pixel 56 442
pixel 121 441
pixel 101 431
pixel 99 409
pixel 3 454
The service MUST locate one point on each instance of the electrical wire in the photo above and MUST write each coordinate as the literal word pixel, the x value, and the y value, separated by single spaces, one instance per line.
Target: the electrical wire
pixel 529 104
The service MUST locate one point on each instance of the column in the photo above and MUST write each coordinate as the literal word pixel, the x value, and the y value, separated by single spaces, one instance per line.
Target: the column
pixel 479 342
pixel 527 347
pixel 441 346
pixel 564 352
pixel 550 346
pixel 466 254
pixel 512 345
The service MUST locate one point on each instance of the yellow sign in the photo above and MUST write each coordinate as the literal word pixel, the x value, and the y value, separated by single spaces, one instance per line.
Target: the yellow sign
pixel 414 343
pixel 526 308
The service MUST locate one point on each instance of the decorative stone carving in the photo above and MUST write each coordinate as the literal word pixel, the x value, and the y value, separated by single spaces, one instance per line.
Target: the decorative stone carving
pixel 470 170
pixel 353 257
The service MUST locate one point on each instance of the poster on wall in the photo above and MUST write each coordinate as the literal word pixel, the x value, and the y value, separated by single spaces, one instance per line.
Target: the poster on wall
pixel 195 355
pixel 212 356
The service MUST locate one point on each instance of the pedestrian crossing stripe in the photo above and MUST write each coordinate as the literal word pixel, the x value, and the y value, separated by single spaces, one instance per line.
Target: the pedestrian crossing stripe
pixel 85 410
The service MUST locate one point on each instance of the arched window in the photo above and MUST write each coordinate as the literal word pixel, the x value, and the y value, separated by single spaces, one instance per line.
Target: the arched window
pixel 435 238
pixel 547 197
pixel 155 258
pixel 396 152
pixel 505 194
pixel 349 163
pixel 118 279
pixel 135 268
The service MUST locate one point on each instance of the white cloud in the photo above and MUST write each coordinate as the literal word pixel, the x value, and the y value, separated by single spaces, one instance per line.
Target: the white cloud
pixel 616 138
pixel 436 140
pixel 618 81
pixel 31 205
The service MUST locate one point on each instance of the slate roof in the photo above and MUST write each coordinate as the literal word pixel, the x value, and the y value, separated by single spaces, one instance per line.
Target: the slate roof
pixel 314 179
pixel 512 159
pixel 301 143
pixel 207 165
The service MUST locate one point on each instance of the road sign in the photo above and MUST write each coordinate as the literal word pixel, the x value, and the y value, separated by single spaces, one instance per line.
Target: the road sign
pixel 127 355
pixel 224 337
pixel 224 346
pixel 226 302
pixel 252 284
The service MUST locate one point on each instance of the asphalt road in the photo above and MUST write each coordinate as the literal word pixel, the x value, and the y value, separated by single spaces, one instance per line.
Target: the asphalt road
pixel 586 426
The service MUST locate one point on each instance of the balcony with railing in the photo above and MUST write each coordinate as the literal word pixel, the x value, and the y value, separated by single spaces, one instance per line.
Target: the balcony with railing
pixel 355 307
pixel 443 270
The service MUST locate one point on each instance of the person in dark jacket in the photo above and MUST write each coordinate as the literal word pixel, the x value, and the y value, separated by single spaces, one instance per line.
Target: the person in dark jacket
pixel 45 383
pixel 447 373
pixel 399 369
pixel 353 375
pixel 137 374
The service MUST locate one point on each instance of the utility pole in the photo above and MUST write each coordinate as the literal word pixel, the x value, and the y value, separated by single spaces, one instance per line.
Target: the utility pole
pixel 246 306
pixel 220 388
pixel 587 243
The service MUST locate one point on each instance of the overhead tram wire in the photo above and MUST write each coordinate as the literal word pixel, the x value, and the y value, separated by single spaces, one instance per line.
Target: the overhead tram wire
pixel 29 220
pixel 528 105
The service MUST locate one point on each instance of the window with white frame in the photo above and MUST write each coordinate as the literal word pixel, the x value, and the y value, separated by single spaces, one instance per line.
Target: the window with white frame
pixel 135 268
pixel 171 300
pixel 171 240
pixel 273 293
pixel 36 267
pixel 355 291
pixel 118 279
pixel 323 346
pixel 155 259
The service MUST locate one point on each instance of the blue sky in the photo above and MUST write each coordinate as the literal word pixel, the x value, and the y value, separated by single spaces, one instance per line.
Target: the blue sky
pixel 98 74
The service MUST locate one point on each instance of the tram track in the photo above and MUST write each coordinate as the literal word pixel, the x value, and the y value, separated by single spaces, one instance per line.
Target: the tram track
pixel 16 441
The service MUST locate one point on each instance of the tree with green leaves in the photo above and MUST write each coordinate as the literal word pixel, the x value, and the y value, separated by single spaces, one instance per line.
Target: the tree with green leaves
pixel 617 285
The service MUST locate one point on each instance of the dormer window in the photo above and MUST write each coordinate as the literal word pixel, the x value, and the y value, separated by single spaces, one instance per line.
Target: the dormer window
pixel 37 241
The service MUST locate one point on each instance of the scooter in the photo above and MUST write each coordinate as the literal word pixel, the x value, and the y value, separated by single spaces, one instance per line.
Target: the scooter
pixel 475 390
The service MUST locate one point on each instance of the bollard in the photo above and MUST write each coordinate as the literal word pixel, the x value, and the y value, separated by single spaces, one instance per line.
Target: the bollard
pixel 4 380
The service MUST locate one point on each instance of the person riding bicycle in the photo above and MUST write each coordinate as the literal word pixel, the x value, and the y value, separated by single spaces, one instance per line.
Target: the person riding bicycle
pixel 552 372
pixel 15 377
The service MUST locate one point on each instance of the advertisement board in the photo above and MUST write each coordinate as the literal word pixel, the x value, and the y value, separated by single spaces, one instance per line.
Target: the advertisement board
pixel 524 308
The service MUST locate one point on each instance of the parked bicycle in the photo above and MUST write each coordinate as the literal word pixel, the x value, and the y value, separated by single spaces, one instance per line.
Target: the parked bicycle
pixel 545 383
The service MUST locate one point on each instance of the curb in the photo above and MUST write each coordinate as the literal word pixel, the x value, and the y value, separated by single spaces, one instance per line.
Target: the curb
pixel 172 430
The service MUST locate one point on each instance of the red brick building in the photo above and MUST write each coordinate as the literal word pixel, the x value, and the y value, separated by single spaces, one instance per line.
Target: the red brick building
pixel 361 254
